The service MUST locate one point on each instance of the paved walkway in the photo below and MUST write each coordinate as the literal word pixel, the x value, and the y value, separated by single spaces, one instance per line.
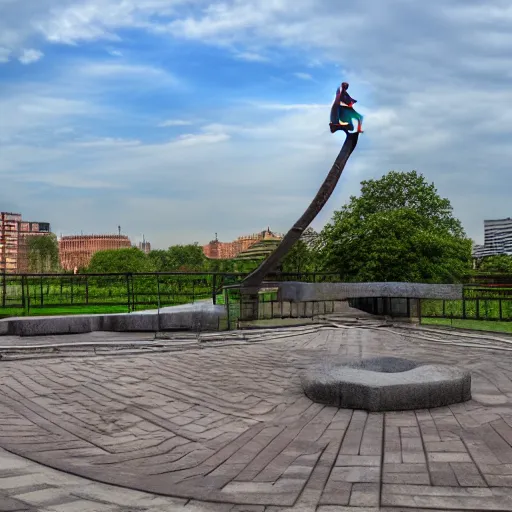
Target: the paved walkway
pixel 223 425
pixel 28 486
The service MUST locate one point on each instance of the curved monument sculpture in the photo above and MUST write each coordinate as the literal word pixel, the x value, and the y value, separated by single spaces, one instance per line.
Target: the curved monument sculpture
pixel 255 279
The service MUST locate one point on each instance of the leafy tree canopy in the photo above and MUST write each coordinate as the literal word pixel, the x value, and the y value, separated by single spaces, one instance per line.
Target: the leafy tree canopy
pixel 43 253
pixel 398 229
pixel 501 263
pixel 182 258
pixel 301 258
pixel 120 260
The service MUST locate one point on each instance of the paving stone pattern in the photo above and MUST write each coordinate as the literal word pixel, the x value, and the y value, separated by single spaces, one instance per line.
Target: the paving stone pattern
pixel 227 428
pixel 28 486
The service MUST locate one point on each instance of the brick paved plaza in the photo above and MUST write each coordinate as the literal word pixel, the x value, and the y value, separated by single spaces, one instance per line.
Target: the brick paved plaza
pixel 224 426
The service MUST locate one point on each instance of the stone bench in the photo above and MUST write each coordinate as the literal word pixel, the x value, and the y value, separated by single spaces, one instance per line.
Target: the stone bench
pixel 387 384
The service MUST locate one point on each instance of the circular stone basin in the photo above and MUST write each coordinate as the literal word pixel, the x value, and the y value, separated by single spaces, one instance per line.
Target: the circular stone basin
pixel 387 384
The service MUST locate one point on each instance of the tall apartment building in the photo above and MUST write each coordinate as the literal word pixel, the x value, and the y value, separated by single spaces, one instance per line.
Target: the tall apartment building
pixel 228 250
pixel 497 238
pixel 77 251
pixel 14 235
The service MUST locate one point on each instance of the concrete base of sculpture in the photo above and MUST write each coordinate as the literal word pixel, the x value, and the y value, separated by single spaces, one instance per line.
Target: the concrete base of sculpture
pixel 387 384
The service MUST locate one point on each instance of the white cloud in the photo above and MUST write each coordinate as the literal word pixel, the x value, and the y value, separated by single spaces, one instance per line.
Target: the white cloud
pixel 114 53
pixel 122 76
pixel 70 21
pixel 303 76
pixel 250 56
pixel 192 139
pixel 5 54
pixel 28 56
pixel 111 69
pixel 106 142
pixel 291 107
pixel 26 113
pixel 174 122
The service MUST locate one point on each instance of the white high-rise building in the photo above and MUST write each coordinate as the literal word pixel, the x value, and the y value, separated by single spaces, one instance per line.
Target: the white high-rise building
pixel 498 238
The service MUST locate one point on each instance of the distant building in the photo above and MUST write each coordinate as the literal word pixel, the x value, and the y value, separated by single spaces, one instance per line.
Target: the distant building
pixel 144 246
pixel 228 250
pixel 497 239
pixel 14 235
pixel 77 251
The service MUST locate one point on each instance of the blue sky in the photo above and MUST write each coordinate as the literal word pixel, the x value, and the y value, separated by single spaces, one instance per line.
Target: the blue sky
pixel 178 119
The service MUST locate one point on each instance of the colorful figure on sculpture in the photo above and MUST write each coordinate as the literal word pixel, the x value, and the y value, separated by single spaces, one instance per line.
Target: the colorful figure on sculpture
pixel 343 113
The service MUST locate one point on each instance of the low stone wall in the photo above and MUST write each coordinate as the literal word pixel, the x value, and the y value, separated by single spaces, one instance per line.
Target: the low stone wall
pixel 183 318
pixel 307 292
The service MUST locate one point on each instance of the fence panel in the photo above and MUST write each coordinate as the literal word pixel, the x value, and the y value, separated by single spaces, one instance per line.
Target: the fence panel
pixel 48 294
pixel 484 307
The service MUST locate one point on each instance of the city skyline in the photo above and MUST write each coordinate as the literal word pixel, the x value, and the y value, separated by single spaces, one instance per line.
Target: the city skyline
pixel 185 118
pixel 491 227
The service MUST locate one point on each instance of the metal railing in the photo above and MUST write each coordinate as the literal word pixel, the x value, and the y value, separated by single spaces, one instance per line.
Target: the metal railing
pixel 488 302
pixel 47 294
pixel 476 304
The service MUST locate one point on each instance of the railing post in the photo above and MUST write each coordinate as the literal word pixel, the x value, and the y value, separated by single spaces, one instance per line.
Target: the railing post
pixel 158 301
pixel 4 288
pixel 214 289
pixel 158 290
pixel 87 290
pixel 226 301
pixel 28 296
pixel 23 298
pixel 128 300
pixel 501 311
pixel 132 282
pixel 41 289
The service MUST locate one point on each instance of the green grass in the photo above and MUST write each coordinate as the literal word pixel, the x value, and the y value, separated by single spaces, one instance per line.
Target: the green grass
pixel 477 325
pixel 66 310
pixel 77 310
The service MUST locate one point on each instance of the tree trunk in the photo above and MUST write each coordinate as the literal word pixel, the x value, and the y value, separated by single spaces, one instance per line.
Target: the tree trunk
pixel 255 279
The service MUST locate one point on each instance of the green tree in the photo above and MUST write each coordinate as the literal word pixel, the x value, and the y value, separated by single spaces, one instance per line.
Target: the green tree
pixel 398 229
pixel 301 258
pixel 43 253
pixel 159 259
pixel 184 258
pixel 120 260
pixel 501 263
pixel 214 265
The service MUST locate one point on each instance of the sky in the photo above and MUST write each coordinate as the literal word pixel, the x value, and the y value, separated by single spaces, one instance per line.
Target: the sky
pixel 179 119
